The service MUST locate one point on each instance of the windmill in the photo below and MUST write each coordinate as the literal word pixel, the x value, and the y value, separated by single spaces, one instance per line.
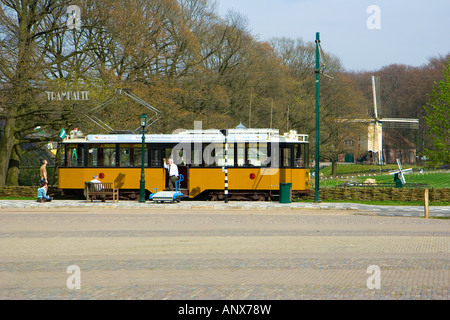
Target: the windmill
pixel 375 131
pixel 401 172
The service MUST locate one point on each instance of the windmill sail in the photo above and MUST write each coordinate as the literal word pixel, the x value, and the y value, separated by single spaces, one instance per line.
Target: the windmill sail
pixel 401 123
pixel 377 137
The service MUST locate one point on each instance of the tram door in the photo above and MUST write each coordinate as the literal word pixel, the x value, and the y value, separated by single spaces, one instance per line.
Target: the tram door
pixel 179 158
pixel 286 159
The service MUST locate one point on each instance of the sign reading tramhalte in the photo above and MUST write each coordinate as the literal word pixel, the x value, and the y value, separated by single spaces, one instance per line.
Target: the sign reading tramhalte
pixel 67 95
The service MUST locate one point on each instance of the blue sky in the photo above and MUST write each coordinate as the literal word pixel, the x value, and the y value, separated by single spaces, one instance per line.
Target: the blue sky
pixel 410 31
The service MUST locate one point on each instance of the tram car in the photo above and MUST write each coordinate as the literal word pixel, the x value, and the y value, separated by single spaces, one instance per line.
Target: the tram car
pixel 257 162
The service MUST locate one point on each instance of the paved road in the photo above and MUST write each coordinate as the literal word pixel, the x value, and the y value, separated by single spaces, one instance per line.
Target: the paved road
pixel 407 211
pixel 142 251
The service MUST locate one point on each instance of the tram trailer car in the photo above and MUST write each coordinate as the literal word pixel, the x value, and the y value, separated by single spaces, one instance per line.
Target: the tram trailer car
pixel 258 160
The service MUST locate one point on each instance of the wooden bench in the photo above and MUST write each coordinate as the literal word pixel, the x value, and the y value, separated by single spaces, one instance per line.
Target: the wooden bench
pixel 92 190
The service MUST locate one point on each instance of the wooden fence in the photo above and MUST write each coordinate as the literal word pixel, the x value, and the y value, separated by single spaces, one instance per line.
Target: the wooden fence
pixel 351 193
pixel 380 194
pixel 20 192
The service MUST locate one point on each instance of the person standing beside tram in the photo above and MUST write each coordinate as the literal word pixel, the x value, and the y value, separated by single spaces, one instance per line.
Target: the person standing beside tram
pixel 172 168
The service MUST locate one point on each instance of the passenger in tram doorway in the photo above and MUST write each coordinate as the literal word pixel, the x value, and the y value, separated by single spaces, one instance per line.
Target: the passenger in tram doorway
pixel 172 168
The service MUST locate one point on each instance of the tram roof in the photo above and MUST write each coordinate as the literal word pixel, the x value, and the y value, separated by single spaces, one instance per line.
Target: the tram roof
pixel 187 136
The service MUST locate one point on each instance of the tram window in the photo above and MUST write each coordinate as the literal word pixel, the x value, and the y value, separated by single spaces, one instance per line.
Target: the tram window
pixel 136 157
pixel 230 155
pixel 131 156
pixel 241 154
pixel 257 155
pixel 286 157
pixel 125 157
pixel 62 150
pixel 253 155
pixel 299 156
pixel 93 157
pixel 263 155
pixel 75 157
pixel 156 158
pixel 220 154
pixel 210 153
pixel 102 155
pixel 273 160
pixel 108 155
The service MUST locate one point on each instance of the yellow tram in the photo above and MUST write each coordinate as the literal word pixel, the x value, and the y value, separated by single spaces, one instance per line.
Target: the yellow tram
pixel 258 160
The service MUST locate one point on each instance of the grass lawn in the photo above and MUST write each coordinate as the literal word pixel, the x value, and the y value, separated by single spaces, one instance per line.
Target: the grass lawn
pixel 381 203
pixel 17 198
pixel 359 173
pixel 349 173
pixel 360 168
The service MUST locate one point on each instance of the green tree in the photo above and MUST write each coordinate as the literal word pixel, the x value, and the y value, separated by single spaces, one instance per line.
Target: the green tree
pixel 25 26
pixel 438 111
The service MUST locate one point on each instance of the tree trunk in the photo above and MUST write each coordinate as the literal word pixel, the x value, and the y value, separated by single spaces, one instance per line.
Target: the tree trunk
pixel 12 176
pixel 18 98
pixel 334 165
pixel 6 148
